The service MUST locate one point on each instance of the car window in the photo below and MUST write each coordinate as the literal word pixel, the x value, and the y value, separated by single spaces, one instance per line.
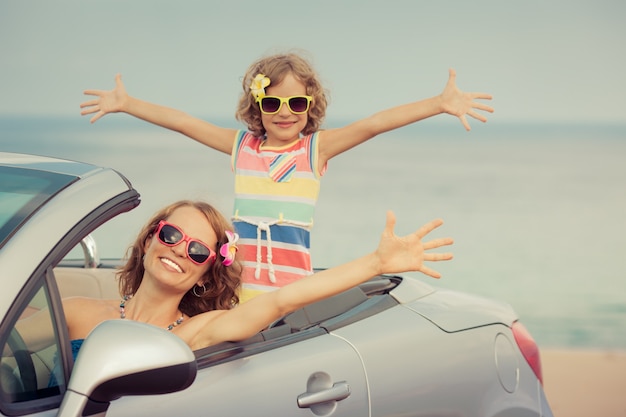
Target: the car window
pixel 22 192
pixel 29 367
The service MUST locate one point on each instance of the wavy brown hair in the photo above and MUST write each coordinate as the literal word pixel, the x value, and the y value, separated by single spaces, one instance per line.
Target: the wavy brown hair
pixel 222 283
pixel 276 67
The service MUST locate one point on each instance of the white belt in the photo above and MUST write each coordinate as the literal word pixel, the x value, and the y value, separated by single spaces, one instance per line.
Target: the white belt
pixel 263 226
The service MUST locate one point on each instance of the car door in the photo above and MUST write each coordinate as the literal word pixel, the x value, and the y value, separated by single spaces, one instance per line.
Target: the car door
pixel 323 373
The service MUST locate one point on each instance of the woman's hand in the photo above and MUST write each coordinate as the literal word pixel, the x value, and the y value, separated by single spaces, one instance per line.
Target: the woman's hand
pixel 107 102
pixel 407 253
pixel 459 103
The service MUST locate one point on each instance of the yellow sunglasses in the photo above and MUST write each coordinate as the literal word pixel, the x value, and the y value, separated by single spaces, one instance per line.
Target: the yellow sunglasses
pixel 296 104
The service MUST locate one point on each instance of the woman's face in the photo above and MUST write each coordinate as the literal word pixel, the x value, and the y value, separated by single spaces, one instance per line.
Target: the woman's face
pixel 170 266
pixel 284 127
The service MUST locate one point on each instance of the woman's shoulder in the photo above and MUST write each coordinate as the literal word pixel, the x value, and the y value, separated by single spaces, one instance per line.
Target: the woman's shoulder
pixel 82 314
pixel 199 331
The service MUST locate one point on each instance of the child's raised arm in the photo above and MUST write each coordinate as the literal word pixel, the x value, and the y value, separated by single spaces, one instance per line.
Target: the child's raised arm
pixel 452 101
pixel 394 255
pixel 118 100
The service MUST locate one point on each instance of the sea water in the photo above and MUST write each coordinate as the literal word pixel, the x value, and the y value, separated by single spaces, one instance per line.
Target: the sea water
pixel 537 211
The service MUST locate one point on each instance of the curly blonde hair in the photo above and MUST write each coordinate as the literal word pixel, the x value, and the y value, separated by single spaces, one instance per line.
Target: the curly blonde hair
pixel 276 67
pixel 222 283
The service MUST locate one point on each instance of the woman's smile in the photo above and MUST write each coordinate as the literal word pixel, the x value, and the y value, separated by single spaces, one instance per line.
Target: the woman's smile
pixel 171 264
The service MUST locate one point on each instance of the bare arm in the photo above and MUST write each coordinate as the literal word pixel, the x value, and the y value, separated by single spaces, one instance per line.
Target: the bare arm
pixel 118 100
pixel 393 255
pixel 451 101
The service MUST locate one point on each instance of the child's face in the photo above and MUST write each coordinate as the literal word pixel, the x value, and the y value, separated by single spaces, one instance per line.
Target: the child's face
pixel 284 126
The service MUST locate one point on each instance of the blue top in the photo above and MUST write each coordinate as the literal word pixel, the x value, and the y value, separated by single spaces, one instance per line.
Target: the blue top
pixel 75 344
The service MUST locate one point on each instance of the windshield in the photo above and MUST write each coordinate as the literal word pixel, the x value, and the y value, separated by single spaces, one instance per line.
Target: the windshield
pixel 22 192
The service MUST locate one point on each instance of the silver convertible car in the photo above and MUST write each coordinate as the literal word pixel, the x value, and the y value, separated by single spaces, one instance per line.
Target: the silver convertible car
pixel 394 346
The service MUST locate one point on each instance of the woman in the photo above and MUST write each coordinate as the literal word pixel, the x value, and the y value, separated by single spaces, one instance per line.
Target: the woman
pixel 181 275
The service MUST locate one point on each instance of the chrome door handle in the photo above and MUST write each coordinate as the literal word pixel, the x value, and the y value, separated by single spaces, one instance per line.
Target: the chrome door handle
pixel 337 392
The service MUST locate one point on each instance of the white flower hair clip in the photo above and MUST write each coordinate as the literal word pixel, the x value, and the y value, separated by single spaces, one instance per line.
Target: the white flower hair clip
pixel 229 249
pixel 257 86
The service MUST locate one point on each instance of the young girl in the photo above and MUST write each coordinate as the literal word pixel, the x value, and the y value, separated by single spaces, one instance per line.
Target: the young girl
pixel 279 161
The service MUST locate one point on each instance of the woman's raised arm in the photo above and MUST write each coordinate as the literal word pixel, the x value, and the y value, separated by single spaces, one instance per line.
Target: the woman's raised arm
pixel 394 254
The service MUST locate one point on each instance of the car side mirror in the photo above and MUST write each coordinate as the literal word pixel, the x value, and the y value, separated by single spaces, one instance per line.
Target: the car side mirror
pixel 124 357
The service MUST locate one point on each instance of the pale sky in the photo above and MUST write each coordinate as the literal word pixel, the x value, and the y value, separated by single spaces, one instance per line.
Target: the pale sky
pixel 560 61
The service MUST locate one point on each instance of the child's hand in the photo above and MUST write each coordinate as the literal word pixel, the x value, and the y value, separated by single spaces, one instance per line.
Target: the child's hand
pixel 459 103
pixel 107 101
pixel 401 254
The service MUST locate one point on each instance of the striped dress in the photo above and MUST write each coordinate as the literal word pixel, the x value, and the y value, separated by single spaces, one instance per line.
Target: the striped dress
pixel 276 189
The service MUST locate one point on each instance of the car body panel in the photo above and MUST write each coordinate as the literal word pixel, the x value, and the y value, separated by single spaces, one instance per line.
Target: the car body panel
pixel 267 384
pixel 447 379
pixel 454 311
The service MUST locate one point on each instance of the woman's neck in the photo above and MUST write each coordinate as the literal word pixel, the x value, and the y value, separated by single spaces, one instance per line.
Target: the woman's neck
pixel 161 311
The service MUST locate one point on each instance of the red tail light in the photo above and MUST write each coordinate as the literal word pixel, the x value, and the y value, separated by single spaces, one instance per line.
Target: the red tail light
pixel 529 348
